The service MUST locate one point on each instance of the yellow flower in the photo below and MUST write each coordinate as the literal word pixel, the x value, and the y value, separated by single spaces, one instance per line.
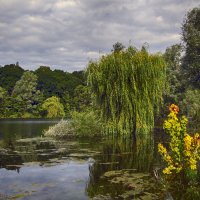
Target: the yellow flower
pixel 184 150
pixel 193 164
pixel 166 171
pixel 168 158
pixel 162 149
pixel 187 142
pixel 184 119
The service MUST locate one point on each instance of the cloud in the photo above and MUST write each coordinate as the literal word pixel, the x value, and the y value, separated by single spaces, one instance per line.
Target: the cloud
pixel 66 34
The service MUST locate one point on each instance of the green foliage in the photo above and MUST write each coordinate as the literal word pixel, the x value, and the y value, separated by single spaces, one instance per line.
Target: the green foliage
pixel 55 83
pixel 86 124
pixel 172 57
pixel 24 97
pixel 82 98
pixel 191 103
pixel 61 84
pixel 3 94
pixel 25 93
pixel 9 75
pixel 183 72
pixel 3 98
pixel 117 47
pixel 175 82
pixel 192 193
pixel 82 124
pixel 191 39
pixel 128 89
pixel 53 107
pixel 191 107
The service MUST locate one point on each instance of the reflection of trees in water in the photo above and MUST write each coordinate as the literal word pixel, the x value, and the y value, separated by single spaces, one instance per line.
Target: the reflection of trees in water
pixel 116 155
pixel 16 153
pixel 10 160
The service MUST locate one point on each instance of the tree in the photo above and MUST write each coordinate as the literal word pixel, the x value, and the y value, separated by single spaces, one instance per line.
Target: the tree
pixel 117 47
pixel 191 39
pixel 55 83
pixel 7 105
pixel 53 107
pixel 25 93
pixel 173 57
pixel 3 93
pixel 82 98
pixel 9 75
pixel 3 97
pixel 128 89
pixel 191 107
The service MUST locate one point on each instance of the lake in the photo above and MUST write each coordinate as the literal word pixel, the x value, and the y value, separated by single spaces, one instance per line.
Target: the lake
pixel 34 167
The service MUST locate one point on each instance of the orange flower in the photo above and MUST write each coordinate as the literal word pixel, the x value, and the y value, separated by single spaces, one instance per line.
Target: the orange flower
pixel 174 108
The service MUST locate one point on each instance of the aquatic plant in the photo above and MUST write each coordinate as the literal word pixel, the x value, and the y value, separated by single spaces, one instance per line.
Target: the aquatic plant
pixel 184 149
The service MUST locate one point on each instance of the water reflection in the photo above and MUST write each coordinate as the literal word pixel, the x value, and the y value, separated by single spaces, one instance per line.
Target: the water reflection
pixel 17 129
pixel 119 155
pixel 75 165
pixel 40 168
pixel 62 181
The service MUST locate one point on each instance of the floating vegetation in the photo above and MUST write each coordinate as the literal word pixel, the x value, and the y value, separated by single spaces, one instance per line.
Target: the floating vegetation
pixel 136 185
pixel 18 196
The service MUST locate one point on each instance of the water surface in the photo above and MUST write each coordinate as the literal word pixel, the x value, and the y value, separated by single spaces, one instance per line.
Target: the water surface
pixel 41 168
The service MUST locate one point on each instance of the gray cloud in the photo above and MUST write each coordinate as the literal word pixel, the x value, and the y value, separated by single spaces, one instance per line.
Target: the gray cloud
pixel 66 34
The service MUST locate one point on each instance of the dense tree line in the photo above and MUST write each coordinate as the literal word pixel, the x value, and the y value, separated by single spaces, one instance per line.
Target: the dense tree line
pixel 41 93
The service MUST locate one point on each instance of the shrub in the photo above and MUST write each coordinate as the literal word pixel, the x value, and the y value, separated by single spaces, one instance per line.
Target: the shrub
pixel 53 107
pixel 82 124
pixel 61 130
pixel 27 115
pixel 86 123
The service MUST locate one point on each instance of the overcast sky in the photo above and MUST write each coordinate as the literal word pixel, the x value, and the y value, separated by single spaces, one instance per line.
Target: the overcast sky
pixel 66 34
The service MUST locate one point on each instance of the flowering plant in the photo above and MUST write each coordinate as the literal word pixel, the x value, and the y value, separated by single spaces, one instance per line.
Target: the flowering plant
pixel 184 149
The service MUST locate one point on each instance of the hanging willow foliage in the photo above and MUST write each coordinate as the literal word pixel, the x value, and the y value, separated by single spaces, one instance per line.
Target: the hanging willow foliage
pixel 128 89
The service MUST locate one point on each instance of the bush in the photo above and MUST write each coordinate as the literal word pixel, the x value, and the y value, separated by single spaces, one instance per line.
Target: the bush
pixel 27 115
pixel 61 130
pixel 86 123
pixel 82 124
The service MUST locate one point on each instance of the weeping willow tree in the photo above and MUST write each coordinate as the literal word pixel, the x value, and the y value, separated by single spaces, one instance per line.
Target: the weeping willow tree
pixel 128 87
